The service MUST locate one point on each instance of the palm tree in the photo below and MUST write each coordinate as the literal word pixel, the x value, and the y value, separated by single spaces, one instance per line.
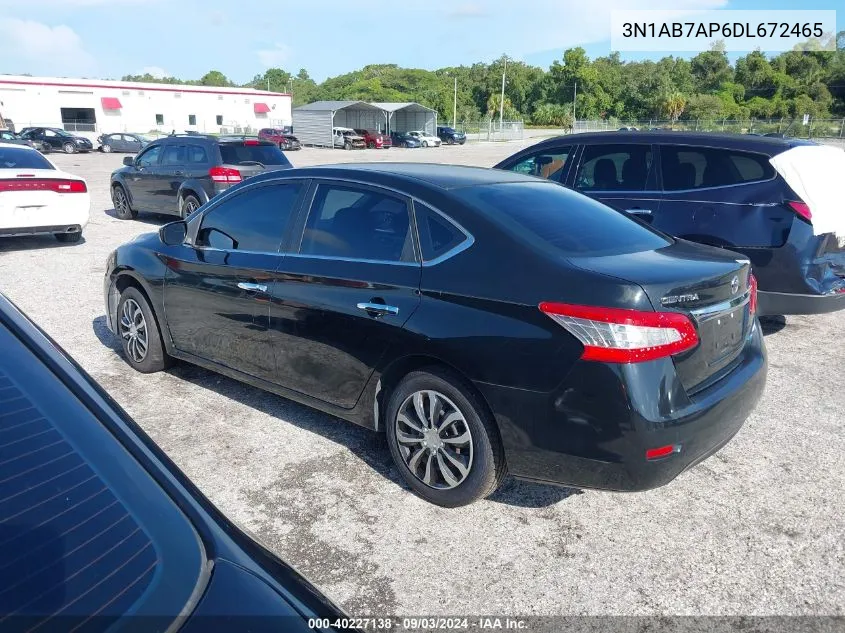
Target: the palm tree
pixel 673 106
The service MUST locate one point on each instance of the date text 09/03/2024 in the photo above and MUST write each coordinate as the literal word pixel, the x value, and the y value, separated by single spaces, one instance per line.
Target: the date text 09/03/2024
pixel 419 623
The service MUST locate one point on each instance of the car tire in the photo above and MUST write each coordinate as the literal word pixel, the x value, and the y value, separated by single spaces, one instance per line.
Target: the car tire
pixel 142 346
pixel 371 145
pixel 404 144
pixel 106 149
pixel 122 208
pixel 69 148
pixel 347 146
pixel 69 238
pixel 189 205
pixel 425 143
pixel 45 148
pixel 458 473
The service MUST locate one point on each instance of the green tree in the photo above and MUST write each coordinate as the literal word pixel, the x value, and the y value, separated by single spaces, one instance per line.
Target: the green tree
pixel 214 78
pixel 673 105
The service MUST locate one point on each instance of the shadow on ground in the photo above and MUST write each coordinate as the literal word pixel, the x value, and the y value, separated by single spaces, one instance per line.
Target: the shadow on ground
pixel 370 447
pixel 772 324
pixel 35 242
pixel 145 218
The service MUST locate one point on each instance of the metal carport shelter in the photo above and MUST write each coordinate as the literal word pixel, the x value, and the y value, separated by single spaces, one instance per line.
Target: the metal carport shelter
pixel 408 116
pixel 313 122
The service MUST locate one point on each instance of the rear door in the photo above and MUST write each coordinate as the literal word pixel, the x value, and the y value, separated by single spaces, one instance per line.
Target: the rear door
pixel 217 289
pixel 168 177
pixel 621 176
pixel 722 197
pixel 141 179
pixel 341 298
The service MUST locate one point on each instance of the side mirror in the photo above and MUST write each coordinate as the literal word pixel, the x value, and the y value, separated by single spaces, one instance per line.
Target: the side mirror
pixel 173 233
pixel 129 161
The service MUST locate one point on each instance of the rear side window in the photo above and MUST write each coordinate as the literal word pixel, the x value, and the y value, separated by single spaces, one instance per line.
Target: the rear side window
pixel 702 167
pixel 197 155
pixel 253 220
pixel 551 217
pixel 438 235
pixel 19 158
pixel 548 164
pixel 614 168
pixel 173 155
pixel 250 154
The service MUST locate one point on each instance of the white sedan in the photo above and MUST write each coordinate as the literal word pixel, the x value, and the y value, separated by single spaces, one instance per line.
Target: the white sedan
pixel 426 140
pixel 36 198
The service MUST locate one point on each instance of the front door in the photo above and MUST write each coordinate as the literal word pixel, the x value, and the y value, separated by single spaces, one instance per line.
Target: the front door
pixel 342 297
pixel 217 290
pixel 621 176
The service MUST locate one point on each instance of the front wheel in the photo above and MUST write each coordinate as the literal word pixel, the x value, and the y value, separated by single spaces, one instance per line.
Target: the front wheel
pixel 443 440
pixel 45 148
pixel 347 146
pixel 121 204
pixel 106 148
pixel 425 143
pixel 139 333
pixel 371 145
pixel 69 148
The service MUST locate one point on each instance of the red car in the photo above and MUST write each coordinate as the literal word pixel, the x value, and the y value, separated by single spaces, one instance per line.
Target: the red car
pixel 375 140
pixel 284 140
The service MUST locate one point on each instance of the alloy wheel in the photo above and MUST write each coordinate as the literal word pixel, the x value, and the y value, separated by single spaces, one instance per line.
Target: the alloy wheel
pixel 133 328
pixel 121 204
pixel 434 439
pixel 189 206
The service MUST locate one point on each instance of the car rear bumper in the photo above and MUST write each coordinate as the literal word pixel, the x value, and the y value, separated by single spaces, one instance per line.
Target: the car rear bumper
pixel 21 231
pixel 777 303
pixel 594 430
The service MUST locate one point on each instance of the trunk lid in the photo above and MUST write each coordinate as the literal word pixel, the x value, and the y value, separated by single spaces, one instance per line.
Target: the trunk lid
pixel 709 285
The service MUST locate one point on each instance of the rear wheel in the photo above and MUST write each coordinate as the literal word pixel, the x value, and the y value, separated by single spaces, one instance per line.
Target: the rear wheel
pixel 190 203
pixel 69 237
pixel 69 148
pixel 443 440
pixel 139 333
pixel 121 203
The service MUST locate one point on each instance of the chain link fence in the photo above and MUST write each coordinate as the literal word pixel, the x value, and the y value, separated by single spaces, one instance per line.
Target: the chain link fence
pixel 814 128
pixel 492 130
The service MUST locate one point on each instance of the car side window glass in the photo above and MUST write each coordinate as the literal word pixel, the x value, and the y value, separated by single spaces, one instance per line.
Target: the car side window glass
pixel 686 168
pixel 149 157
pixel 346 221
pixel 437 234
pixel 197 155
pixel 548 164
pixel 50 133
pixel 253 220
pixel 614 168
pixel 173 155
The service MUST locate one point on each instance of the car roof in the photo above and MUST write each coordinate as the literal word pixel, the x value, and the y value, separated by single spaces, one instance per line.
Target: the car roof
pixel 769 145
pixel 397 174
pixel 17 146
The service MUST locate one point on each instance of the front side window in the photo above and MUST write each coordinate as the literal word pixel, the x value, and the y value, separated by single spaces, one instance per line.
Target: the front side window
pixel 702 167
pixel 350 222
pixel 149 157
pixel 548 164
pixel 253 220
pixel 614 168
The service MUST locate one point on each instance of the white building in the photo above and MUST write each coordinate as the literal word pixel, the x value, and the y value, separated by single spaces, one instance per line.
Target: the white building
pixel 100 106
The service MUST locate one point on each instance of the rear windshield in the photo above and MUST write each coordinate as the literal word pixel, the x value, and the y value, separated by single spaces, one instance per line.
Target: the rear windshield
pixel 548 215
pixel 20 158
pixel 241 154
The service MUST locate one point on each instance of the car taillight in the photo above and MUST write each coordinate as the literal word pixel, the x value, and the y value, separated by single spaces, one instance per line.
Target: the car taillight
pixel 616 335
pixel 801 209
pixel 224 174
pixel 251 142
pixel 44 184
pixel 752 301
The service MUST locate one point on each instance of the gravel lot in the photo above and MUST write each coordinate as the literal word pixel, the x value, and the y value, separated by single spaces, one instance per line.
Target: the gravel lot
pixel 757 529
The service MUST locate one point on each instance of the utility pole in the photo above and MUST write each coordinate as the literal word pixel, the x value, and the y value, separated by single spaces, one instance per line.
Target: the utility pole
pixel 574 96
pixel 268 84
pixel 455 106
pixel 502 102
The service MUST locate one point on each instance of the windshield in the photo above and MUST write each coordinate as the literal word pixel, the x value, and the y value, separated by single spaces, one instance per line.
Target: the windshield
pixel 19 158
pixel 246 154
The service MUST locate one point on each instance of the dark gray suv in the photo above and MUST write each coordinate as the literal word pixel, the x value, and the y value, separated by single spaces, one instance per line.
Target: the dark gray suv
pixel 179 173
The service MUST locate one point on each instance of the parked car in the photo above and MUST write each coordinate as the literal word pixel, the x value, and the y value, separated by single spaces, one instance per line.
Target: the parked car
pixel 374 140
pixel 451 136
pixel 285 140
pixel 122 142
pixel 737 192
pixel 11 138
pixel 403 139
pixel 579 348
pixel 629 129
pixel 99 530
pixel 37 199
pixel 177 174
pixel 53 138
pixel 346 138
pixel 425 139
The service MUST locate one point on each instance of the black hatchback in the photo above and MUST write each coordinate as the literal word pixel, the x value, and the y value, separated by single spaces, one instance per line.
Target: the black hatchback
pixel 177 174
pixel 489 322
pixel 754 195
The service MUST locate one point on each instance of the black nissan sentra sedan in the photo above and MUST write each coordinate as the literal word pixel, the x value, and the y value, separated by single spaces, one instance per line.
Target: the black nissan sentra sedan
pixel 489 322
pixel 100 531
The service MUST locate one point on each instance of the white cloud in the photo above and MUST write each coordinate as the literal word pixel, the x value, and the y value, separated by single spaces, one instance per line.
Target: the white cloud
pixel 44 48
pixel 154 71
pixel 274 57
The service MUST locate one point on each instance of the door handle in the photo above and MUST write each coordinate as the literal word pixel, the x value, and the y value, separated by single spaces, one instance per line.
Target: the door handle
pixel 639 211
pixel 378 309
pixel 251 287
pixel 179 172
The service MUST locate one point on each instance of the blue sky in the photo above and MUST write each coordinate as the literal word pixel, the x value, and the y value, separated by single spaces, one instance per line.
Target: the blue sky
pixel 186 38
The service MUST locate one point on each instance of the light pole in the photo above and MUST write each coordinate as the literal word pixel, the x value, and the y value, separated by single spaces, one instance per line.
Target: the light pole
pixel 455 106
pixel 502 102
